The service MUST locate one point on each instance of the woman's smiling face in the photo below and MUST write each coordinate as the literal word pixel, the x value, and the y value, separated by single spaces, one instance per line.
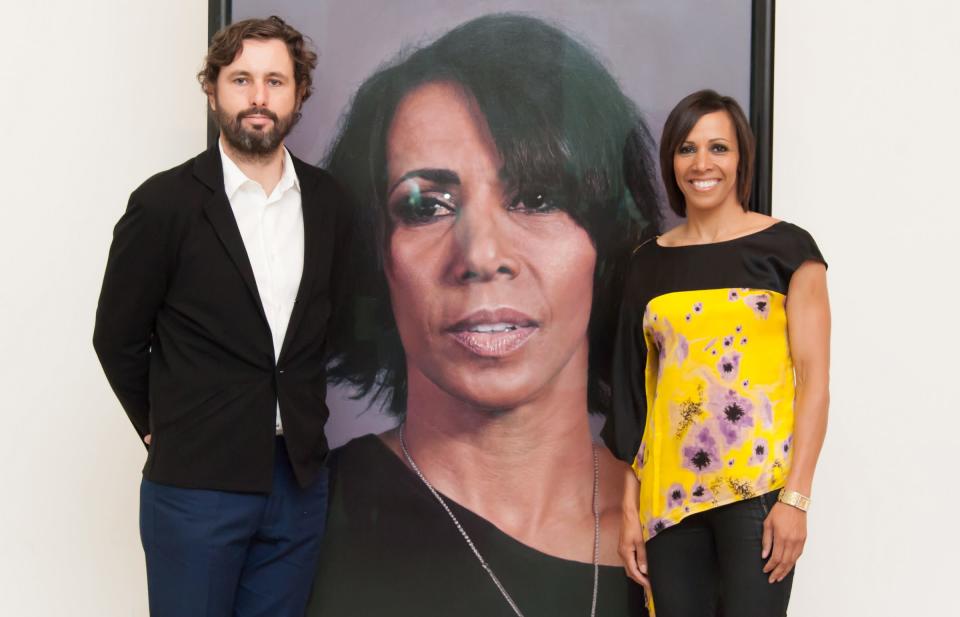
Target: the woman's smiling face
pixel 491 284
pixel 705 164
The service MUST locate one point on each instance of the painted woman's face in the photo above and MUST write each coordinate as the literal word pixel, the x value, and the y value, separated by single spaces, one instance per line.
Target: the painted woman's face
pixel 491 284
pixel 705 164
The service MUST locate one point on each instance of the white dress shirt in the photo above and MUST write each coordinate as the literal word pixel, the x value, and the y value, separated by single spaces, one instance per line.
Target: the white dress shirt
pixel 272 230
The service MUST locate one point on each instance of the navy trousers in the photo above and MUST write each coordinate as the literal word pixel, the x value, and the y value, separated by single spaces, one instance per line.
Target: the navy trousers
pixel 223 554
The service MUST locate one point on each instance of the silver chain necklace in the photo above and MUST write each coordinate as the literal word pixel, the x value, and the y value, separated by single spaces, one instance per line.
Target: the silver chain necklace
pixel 483 562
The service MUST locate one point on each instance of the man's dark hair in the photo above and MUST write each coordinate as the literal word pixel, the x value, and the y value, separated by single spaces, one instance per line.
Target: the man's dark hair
pixel 558 119
pixel 678 126
pixel 228 42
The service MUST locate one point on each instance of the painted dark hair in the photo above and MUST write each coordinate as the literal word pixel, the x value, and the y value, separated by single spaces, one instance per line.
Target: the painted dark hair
pixel 678 126
pixel 558 119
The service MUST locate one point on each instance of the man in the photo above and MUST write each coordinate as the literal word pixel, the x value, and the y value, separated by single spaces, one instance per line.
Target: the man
pixel 211 330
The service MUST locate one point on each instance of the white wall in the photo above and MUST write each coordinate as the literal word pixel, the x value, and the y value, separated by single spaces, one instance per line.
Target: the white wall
pixel 866 158
pixel 97 96
pixel 100 94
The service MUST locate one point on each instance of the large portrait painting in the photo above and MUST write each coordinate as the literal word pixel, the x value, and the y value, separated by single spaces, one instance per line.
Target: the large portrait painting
pixel 500 159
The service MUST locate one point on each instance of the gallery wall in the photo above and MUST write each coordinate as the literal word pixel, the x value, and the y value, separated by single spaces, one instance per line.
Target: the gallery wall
pixel 865 139
pixel 101 94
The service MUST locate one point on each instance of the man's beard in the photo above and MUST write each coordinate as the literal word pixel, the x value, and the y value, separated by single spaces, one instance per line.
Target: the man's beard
pixel 251 142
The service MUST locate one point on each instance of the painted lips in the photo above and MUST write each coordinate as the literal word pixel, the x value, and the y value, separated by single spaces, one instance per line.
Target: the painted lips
pixel 494 334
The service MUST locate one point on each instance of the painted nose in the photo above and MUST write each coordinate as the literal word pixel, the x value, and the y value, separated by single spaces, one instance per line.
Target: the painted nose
pixel 484 252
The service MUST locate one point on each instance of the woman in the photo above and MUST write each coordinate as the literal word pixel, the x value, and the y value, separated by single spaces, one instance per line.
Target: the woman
pixel 497 174
pixel 707 350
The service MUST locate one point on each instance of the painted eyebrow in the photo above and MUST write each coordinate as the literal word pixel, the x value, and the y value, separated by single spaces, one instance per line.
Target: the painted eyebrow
pixel 439 176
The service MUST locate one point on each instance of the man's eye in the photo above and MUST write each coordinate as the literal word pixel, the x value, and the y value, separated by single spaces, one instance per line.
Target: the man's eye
pixel 240 81
pixel 534 202
pixel 275 82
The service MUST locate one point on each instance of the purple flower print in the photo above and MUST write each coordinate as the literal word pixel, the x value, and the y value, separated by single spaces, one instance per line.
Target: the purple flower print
pixel 734 295
pixel 743 340
pixel 739 328
pixel 766 411
pixel 729 365
pixel 683 348
pixel 745 383
pixel 786 445
pixel 700 494
pixel 688 317
pixel 759 452
pixel 698 307
pixel 675 496
pixel 700 451
pixel 657 525
pixel 639 458
pixel 732 414
pixel 727 341
pixel 660 341
pixel 760 303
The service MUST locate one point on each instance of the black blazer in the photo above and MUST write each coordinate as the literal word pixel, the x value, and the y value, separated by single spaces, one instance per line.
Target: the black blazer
pixel 184 341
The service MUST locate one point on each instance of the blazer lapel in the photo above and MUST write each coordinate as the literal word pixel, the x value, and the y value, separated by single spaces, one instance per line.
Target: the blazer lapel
pixel 209 169
pixel 312 224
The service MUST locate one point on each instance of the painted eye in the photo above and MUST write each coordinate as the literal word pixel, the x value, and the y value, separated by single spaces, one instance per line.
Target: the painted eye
pixel 534 202
pixel 417 208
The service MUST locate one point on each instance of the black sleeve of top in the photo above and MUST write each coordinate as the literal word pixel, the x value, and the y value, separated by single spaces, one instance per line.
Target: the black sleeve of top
pixel 134 286
pixel 799 247
pixel 342 290
pixel 623 429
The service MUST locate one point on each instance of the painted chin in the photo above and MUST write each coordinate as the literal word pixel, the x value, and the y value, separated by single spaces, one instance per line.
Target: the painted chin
pixel 495 342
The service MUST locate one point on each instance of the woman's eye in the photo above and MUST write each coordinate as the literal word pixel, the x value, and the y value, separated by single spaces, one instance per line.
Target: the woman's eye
pixel 534 202
pixel 686 149
pixel 417 208
pixel 720 148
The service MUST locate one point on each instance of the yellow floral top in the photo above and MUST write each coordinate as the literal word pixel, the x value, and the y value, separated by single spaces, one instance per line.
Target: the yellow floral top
pixel 702 372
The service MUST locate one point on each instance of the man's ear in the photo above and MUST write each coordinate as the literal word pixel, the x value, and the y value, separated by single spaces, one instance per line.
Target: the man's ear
pixel 211 97
pixel 301 91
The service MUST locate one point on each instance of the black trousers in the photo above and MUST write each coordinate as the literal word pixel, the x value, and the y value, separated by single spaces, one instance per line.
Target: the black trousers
pixel 710 564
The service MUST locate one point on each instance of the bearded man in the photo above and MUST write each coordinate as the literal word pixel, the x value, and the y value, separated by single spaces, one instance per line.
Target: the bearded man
pixel 211 329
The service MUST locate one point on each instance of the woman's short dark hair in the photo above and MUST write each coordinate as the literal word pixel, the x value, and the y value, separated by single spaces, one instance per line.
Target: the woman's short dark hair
pixel 678 126
pixel 558 119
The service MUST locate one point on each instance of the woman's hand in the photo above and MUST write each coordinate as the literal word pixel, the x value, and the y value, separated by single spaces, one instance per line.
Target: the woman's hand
pixel 784 534
pixel 632 550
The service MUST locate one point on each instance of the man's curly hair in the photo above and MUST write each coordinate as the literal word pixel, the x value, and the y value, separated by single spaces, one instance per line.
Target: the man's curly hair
pixel 228 42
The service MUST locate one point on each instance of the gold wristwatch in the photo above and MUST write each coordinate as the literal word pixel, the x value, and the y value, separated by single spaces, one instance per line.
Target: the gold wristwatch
pixel 793 498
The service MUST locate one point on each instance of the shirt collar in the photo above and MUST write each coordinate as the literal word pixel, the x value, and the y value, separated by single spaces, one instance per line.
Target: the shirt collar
pixel 234 178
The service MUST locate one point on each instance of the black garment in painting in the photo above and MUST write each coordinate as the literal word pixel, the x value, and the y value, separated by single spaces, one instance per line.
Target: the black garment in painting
pixel 764 260
pixel 391 549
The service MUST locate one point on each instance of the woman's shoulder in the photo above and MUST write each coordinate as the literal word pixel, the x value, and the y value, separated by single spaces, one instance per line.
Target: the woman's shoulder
pixel 794 243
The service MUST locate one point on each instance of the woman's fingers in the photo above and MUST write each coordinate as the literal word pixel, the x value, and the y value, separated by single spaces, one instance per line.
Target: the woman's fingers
pixel 767 542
